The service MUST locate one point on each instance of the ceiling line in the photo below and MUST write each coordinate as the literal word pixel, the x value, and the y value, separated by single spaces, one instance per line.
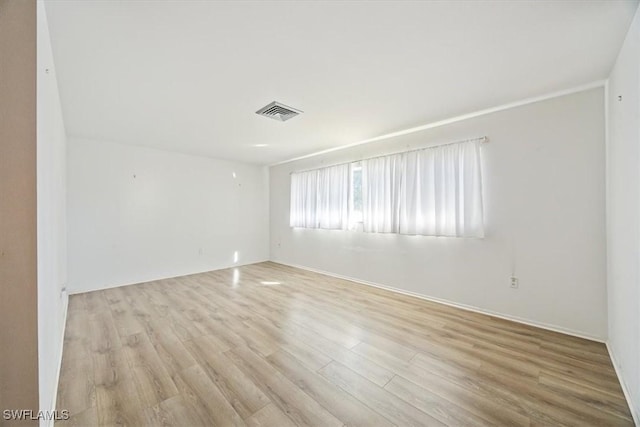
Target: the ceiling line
pixel 526 101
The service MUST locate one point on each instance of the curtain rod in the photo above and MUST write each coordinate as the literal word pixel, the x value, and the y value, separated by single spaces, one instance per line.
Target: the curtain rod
pixel 482 139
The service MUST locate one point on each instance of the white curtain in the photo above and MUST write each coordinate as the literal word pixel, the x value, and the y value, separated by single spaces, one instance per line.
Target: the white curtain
pixel 434 192
pixel 304 199
pixel 320 198
pixel 333 197
pixel 381 190
pixel 442 191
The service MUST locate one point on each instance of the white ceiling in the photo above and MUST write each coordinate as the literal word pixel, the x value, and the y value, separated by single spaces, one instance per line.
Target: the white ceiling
pixel 189 75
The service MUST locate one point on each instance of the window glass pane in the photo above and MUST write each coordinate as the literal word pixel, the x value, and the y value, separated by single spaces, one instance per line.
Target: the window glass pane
pixel 357 190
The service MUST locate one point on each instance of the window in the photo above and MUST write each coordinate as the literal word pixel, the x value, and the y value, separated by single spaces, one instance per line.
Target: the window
pixel 355 194
pixel 435 191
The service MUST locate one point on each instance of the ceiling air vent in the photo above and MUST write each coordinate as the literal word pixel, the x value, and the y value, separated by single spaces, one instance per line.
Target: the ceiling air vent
pixel 278 111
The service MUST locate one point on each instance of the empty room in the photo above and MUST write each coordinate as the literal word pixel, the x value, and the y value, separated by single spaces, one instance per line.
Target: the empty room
pixel 319 213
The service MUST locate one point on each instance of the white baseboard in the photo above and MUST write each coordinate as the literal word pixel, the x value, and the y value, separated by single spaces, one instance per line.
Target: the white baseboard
pixel 156 278
pixel 50 423
pixel 635 412
pixel 467 307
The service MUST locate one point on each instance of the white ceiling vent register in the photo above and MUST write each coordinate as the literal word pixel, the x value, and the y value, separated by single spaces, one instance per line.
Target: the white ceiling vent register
pixel 278 111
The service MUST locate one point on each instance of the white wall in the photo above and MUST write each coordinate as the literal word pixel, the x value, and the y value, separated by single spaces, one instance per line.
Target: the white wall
pixel 623 214
pixel 543 173
pixel 52 243
pixel 138 214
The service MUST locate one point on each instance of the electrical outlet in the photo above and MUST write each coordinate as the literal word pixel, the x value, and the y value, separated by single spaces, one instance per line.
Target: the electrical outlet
pixel 514 282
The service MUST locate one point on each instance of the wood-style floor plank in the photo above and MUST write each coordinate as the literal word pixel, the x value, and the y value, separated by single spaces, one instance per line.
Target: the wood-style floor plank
pixel 295 403
pixel 245 397
pixel 431 403
pixel 340 403
pixel 269 416
pixel 386 403
pixel 174 411
pixel 77 387
pixel 271 345
pixel 117 398
pixel 218 408
pixel 153 381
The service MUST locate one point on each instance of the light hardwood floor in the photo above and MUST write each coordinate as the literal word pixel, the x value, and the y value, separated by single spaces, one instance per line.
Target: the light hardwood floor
pixel 270 345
